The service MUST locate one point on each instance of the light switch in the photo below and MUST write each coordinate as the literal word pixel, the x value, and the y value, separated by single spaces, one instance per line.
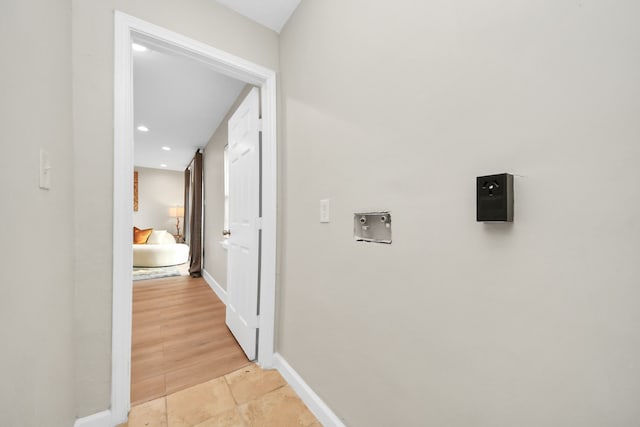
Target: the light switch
pixel 324 210
pixel 45 170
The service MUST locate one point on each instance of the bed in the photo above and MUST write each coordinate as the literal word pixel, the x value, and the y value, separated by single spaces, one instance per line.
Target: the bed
pixel 160 250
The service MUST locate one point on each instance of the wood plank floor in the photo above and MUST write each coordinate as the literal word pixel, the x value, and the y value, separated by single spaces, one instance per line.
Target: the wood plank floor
pixel 179 337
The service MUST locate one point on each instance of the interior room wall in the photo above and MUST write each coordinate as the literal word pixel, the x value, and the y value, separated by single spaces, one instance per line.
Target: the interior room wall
pixel 158 191
pixel 399 106
pixel 215 256
pixel 36 274
pixel 92 66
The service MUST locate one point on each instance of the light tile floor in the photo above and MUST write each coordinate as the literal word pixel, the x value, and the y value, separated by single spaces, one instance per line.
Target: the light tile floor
pixel 248 397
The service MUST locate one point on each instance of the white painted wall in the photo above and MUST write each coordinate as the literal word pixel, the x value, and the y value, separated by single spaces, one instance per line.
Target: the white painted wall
pixel 36 271
pixel 158 191
pixel 215 256
pixel 400 105
pixel 203 20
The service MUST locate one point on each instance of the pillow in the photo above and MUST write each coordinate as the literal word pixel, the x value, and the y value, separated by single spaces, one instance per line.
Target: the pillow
pixel 159 237
pixel 140 236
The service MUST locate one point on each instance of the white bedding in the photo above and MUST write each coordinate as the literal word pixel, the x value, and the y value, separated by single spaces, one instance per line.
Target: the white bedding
pixel 164 253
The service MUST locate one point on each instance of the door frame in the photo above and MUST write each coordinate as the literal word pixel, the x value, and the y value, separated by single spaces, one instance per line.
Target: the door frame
pixel 126 27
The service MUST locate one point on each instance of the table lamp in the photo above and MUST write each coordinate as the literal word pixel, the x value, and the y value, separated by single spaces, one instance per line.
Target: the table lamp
pixel 177 212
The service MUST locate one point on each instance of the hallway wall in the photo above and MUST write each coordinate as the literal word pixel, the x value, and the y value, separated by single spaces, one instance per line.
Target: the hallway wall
pixel 36 274
pixel 204 20
pixel 399 106
pixel 158 191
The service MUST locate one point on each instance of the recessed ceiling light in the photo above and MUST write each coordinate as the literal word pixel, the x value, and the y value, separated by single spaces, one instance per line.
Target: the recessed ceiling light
pixel 163 165
pixel 166 148
pixel 138 47
pixel 143 128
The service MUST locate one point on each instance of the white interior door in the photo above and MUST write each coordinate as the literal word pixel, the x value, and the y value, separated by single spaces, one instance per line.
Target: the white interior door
pixel 244 212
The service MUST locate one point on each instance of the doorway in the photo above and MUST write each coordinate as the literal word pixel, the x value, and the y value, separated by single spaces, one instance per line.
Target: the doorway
pixel 127 27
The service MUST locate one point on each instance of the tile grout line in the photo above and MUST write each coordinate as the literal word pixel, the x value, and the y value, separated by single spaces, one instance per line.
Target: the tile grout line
pixel 226 381
pixel 233 396
pixel 166 409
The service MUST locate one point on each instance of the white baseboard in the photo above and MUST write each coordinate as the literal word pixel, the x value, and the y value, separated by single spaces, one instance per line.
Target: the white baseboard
pixel 101 419
pixel 222 294
pixel 316 405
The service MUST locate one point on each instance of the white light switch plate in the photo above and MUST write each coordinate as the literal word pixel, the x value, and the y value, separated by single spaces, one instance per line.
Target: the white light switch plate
pixel 45 170
pixel 324 210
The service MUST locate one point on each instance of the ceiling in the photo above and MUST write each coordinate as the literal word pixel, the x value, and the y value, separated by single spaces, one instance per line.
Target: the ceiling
pixel 270 13
pixel 181 101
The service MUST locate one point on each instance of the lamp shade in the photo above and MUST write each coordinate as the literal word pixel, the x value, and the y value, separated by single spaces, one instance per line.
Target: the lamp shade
pixel 176 211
